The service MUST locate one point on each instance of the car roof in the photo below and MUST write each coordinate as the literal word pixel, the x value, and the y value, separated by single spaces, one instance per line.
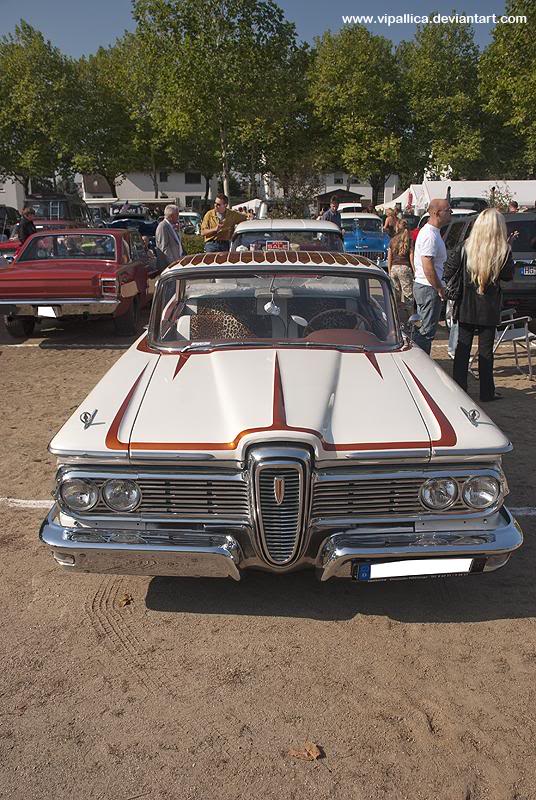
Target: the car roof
pixel 359 215
pixel 42 233
pixel 320 226
pixel 521 215
pixel 299 261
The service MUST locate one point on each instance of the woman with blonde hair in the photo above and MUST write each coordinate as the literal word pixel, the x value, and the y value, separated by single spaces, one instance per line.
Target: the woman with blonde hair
pixel 389 226
pixel 400 269
pixel 477 267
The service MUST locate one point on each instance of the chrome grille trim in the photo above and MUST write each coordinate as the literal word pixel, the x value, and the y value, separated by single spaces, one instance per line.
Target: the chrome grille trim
pixel 188 497
pixel 280 527
pixel 345 496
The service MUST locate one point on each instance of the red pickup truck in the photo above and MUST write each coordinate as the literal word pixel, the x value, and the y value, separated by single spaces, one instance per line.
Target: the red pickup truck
pixel 73 273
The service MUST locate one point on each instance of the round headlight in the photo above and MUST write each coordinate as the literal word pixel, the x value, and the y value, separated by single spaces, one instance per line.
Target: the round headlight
pixel 439 493
pixel 79 495
pixel 121 495
pixel 482 491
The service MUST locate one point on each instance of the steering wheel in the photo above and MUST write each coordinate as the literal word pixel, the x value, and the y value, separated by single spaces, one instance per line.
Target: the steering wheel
pixel 336 318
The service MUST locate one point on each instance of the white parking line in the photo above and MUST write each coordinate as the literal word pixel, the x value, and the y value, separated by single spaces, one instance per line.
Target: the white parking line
pixel 61 346
pixel 13 502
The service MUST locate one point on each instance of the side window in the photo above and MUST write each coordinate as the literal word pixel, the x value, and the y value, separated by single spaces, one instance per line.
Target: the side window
pixel 138 250
pixel 126 248
pixel 77 213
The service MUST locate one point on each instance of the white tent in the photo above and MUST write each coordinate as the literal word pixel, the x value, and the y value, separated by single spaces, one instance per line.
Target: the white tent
pixel 419 195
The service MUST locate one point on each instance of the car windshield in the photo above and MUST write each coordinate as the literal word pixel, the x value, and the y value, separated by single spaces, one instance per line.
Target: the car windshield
pixel 49 209
pixel 525 241
pixel 65 245
pixel 288 240
pixel 366 225
pixel 302 309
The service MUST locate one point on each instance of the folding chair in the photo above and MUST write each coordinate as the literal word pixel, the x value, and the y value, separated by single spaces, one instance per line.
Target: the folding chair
pixel 513 331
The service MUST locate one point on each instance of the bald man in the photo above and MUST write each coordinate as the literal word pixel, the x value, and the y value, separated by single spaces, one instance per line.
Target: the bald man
pixel 429 259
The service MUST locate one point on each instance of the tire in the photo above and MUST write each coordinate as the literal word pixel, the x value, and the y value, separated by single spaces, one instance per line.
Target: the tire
pixel 128 324
pixel 19 327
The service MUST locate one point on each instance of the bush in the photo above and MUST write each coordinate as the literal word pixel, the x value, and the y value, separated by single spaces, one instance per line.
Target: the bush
pixel 192 245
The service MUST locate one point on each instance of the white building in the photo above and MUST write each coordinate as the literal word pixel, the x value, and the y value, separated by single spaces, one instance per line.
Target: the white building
pixel 342 180
pixel 182 188
pixel 11 194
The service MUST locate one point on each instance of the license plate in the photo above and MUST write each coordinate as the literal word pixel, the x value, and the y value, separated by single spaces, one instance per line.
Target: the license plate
pixel 528 270
pixel 49 311
pixel 414 568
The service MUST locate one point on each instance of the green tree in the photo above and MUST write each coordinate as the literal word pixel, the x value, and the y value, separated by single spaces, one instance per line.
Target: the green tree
pixel 357 93
pixel 217 53
pixel 101 127
pixel 508 79
pixel 440 72
pixel 36 95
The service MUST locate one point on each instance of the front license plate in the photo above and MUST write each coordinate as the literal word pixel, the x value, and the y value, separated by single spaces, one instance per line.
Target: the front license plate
pixel 416 568
pixel 528 271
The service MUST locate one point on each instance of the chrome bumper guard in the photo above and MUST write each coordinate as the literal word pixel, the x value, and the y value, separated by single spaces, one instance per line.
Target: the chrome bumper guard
pixel 219 554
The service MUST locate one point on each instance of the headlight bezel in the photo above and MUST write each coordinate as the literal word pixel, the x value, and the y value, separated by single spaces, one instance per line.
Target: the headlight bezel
pixel 92 488
pixel 466 486
pixel 452 500
pixel 124 510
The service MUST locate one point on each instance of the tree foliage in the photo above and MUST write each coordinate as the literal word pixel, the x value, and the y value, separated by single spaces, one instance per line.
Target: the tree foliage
pixel 508 79
pixel 36 91
pixel 217 54
pixel 357 93
pixel 440 71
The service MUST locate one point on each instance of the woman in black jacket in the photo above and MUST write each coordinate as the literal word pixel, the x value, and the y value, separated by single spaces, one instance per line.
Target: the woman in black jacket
pixel 484 260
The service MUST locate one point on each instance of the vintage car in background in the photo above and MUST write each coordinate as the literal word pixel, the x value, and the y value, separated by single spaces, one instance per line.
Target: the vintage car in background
pixel 8 250
pixel 287 234
pixel 56 212
pixel 73 273
pixel 9 217
pixel 274 417
pixel 363 235
pixel 190 222
pixel 520 293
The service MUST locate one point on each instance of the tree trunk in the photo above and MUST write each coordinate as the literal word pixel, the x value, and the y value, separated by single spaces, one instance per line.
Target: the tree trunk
pixel 376 183
pixel 207 188
pixel 111 184
pixel 154 175
pixel 224 160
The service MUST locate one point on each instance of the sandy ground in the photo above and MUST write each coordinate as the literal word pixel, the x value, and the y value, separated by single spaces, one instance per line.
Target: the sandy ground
pixel 198 688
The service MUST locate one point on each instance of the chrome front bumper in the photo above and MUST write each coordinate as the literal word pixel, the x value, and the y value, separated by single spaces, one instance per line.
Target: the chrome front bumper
pixel 227 554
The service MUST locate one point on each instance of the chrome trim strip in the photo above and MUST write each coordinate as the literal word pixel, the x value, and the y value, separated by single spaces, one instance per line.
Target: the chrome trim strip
pixel 269 457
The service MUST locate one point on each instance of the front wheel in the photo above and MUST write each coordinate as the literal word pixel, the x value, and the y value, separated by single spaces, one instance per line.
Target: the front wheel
pixel 128 323
pixel 19 327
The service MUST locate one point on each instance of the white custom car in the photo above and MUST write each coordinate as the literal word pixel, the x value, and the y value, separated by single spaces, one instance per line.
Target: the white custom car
pixel 287 234
pixel 274 417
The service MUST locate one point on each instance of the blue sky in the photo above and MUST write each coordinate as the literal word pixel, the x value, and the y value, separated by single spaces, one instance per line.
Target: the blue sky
pixel 80 26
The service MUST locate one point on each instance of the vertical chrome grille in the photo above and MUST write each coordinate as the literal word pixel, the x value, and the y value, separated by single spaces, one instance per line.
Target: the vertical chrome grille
pixel 280 498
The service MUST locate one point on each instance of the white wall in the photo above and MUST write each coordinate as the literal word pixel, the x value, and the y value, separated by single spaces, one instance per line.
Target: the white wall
pixel 11 194
pixel 341 180
pixel 139 186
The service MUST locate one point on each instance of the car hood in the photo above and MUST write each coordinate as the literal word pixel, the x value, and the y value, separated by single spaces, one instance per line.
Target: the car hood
pixel 344 405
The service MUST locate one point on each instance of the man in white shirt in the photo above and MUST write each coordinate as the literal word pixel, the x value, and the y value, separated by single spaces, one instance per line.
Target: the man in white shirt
pixel 429 259
pixel 168 241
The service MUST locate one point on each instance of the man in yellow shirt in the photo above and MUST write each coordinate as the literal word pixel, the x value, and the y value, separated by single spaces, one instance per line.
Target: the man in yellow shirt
pixel 218 225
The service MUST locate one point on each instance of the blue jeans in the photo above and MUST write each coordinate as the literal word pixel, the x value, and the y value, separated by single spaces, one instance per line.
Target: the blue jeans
pixel 429 307
pixel 453 337
pixel 216 247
